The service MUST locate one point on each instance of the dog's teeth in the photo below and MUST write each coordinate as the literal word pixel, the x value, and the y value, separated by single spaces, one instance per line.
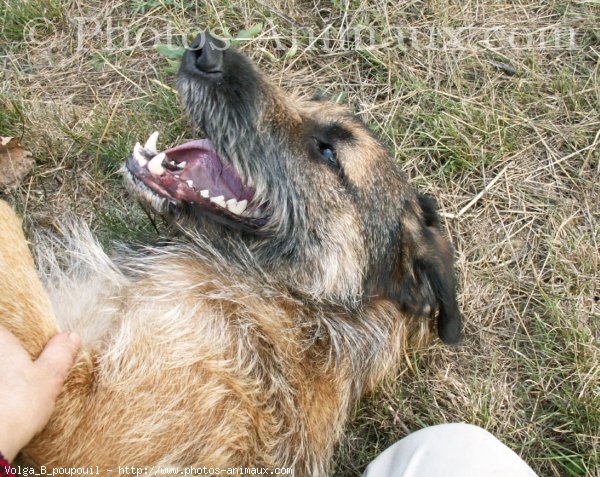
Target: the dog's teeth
pixel 182 165
pixel 190 183
pixel 155 165
pixel 220 201
pixel 138 154
pixel 237 207
pixel 150 145
pixel 242 205
pixel 205 193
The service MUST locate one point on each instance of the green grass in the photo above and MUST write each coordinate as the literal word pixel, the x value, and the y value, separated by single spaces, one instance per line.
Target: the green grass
pixel 11 117
pixel 454 118
pixel 559 361
pixel 105 141
pixel 29 19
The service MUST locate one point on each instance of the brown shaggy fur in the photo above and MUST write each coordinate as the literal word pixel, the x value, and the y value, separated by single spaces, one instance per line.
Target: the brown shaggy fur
pixel 242 342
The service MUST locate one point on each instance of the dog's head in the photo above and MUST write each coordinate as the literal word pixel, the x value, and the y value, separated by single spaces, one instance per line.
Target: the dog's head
pixel 307 188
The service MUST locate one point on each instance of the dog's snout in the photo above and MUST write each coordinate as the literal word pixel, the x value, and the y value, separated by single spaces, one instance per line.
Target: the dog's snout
pixel 205 55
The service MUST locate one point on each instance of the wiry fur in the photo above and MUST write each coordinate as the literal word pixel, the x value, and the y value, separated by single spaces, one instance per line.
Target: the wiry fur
pixel 226 348
pixel 194 362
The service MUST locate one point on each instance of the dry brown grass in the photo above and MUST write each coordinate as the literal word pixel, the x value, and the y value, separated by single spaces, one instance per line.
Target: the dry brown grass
pixel 507 139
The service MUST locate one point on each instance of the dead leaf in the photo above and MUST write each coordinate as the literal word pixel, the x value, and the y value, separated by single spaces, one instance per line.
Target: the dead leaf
pixel 15 163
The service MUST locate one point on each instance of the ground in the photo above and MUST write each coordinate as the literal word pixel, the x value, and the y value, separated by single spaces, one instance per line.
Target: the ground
pixel 492 107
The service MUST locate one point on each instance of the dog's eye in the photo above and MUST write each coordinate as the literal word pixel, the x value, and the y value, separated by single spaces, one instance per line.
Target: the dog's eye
pixel 327 152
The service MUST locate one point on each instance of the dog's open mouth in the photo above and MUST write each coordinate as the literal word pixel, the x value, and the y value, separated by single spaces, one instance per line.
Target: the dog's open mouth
pixel 192 173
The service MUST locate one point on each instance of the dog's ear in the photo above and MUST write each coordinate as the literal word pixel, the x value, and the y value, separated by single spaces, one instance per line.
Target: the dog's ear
pixel 423 282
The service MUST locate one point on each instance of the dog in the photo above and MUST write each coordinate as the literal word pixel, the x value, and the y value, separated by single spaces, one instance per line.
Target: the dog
pixel 303 266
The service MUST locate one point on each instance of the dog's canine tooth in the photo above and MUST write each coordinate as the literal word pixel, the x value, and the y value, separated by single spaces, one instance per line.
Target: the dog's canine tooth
pixel 205 193
pixel 220 201
pixel 138 154
pixel 155 165
pixel 182 165
pixel 190 183
pixel 150 145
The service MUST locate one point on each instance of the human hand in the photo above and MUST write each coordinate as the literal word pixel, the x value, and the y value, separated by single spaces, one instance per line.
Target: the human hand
pixel 29 388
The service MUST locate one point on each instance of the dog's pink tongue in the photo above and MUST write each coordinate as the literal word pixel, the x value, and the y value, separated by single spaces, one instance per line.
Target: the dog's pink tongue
pixel 204 168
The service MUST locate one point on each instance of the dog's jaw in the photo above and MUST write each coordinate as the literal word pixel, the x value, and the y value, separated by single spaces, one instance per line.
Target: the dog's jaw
pixel 193 175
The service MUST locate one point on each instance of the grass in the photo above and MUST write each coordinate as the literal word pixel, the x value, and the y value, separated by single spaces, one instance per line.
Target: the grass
pixel 460 110
pixel 24 20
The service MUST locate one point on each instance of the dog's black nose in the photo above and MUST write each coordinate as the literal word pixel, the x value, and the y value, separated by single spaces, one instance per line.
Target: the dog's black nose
pixel 205 54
